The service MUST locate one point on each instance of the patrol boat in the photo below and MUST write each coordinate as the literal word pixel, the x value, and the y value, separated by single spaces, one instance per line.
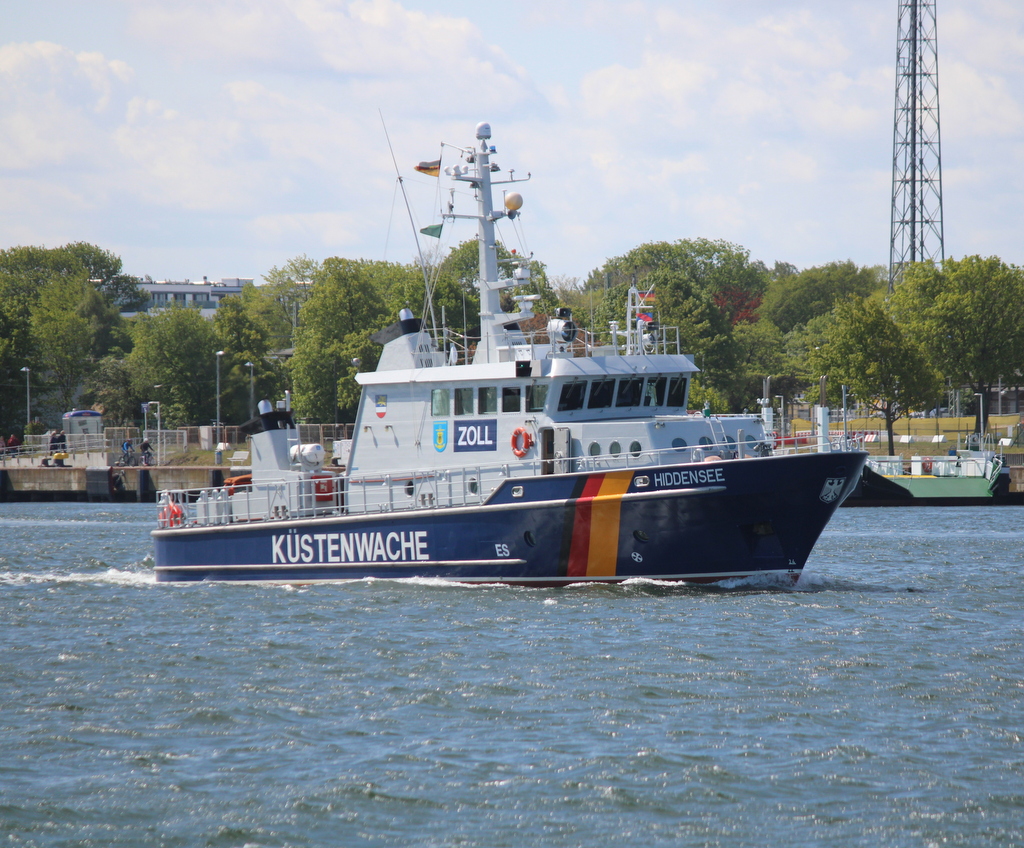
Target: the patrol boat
pixel 534 458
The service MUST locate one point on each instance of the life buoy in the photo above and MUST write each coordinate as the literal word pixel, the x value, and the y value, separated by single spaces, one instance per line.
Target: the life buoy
pixel 171 515
pixel 926 466
pixel 527 441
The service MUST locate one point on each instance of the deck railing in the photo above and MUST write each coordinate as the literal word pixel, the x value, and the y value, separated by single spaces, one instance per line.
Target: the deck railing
pixel 331 494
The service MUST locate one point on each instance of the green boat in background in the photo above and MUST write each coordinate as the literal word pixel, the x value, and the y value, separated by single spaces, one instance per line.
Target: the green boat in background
pixel 961 478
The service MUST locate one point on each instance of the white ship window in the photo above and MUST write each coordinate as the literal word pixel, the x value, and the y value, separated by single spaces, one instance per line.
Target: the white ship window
pixel 463 401
pixel 536 397
pixel 678 443
pixel 654 393
pixel 571 396
pixel 629 392
pixel 487 399
pixel 704 440
pixel 676 391
pixel 635 449
pixel 614 448
pixel 511 399
pixel 595 449
pixel 440 402
pixel 601 392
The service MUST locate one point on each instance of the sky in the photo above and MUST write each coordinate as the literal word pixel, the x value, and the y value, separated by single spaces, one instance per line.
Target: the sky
pixel 222 138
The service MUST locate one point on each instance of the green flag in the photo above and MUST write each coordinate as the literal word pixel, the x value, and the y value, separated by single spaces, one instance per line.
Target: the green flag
pixel 434 231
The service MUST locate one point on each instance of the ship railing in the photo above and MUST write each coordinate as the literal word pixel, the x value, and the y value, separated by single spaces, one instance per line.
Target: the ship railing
pixel 538 344
pixel 329 494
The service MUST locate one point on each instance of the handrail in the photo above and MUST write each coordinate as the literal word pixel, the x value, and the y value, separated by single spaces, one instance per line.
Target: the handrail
pixel 397 492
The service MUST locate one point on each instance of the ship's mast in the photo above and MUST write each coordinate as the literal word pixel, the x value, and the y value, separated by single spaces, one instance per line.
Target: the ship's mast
pixel 495 332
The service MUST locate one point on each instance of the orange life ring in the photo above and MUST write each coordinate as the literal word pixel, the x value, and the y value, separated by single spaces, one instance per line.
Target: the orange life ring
pixel 926 466
pixel 521 432
pixel 171 515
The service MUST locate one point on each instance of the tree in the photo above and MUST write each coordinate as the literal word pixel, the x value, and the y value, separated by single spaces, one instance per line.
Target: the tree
pixel 63 337
pixel 279 302
pixel 723 270
pixel 243 337
pixel 794 299
pixel 105 271
pixel 111 387
pixel 704 330
pixel 25 274
pixel 347 305
pixel 969 314
pixel 887 369
pixel 175 349
pixel 761 353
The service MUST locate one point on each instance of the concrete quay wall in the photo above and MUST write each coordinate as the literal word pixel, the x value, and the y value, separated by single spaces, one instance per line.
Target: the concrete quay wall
pixel 103 482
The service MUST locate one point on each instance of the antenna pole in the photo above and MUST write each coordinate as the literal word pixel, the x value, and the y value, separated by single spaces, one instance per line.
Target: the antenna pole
pixel 412 223
pixel 916 233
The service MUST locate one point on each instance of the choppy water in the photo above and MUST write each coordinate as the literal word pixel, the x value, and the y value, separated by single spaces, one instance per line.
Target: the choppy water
pixel 880 703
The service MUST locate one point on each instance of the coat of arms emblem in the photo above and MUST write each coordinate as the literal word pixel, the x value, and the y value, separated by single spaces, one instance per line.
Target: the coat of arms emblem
pixel 440 435
pixel 832 489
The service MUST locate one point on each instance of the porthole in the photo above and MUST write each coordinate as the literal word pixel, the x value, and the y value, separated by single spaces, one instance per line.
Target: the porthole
pixel 704 440
pixel 408 488
pixel 635 449
pixel 614 448
pixel 472 486
pixel 530 539
pixel 595 449
pixel 678 443
pixel 641 536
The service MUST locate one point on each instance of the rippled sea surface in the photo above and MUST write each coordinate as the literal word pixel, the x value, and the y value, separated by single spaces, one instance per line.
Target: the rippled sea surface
pixel 880 702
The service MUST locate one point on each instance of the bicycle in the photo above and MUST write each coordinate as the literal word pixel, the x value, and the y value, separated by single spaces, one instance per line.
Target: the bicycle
pixel 127 457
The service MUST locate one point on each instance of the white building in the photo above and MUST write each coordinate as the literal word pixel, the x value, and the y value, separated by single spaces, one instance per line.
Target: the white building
pixel 204 293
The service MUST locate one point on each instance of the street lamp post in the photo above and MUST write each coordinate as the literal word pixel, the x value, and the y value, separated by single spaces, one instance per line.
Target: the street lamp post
pixel 216 427
pixel 981 419
pixel 28 398
pixel 252 392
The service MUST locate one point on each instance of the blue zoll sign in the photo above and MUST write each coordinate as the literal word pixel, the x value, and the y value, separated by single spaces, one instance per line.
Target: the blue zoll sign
pixel 476 435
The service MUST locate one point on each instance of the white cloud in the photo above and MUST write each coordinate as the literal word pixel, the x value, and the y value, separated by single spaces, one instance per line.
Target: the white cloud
pixel 257 120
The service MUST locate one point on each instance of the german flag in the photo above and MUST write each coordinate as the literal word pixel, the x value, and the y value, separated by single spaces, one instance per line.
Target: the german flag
pixel 431 169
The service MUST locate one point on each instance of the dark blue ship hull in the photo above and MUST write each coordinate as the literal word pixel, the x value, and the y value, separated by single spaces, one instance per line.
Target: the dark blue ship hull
pixel 697 522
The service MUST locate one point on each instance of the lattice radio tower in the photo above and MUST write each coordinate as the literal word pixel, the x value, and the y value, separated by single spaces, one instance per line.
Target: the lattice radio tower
pixel 916 233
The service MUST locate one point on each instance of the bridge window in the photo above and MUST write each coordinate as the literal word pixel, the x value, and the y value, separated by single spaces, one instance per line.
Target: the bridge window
pixel 511 399
pixel 654 393
pixel 487 399
pixel 463 401
pixel 629 391
pixel 601 392
pixel 676 392
pixel 536 397
pixel 571 396
pixel 440 403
